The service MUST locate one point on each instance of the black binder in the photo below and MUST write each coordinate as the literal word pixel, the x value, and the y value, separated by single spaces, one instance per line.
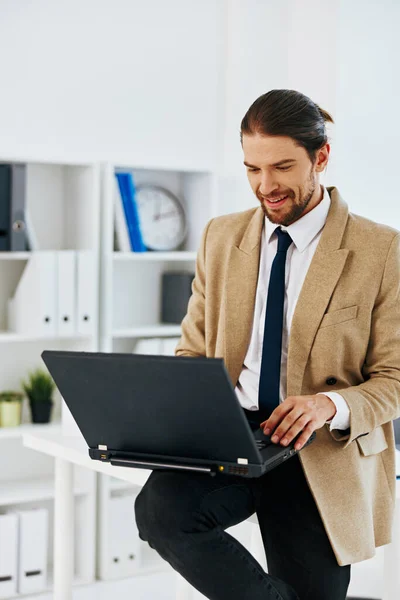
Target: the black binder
pixel 12 208
pixel 5 207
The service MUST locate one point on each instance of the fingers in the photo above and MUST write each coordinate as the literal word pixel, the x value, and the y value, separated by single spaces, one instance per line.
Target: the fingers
pixel 304 437
pixel 279 414
pixel 289 429
pixel 282 419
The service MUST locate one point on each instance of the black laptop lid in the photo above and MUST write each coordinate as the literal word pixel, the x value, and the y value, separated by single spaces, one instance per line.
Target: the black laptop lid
pixel 176 406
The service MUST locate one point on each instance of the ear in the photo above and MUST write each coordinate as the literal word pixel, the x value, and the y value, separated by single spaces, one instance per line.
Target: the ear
pixel 322 158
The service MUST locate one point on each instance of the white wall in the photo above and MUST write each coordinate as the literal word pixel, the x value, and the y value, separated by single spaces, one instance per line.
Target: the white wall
pixel 346 57
pixel 269 45
pixel 368 100
pixel 118 80
pixel 155 82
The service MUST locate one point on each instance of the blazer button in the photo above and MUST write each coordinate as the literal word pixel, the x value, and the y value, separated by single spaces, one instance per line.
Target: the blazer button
pixel 331 381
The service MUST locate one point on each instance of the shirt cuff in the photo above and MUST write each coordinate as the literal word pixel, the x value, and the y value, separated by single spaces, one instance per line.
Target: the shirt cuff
pixel 341 420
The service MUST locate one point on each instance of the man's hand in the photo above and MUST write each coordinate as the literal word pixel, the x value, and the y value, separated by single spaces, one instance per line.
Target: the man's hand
pixel 298 413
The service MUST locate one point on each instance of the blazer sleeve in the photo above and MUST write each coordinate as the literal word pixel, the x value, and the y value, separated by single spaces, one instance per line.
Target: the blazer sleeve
pixel 192 341
pixel 377 400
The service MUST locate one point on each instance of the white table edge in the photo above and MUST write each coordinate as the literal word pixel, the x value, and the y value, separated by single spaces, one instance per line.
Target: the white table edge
pixel 74 449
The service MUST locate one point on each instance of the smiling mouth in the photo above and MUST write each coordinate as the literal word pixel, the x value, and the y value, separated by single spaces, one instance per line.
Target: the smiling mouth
pixel 276 203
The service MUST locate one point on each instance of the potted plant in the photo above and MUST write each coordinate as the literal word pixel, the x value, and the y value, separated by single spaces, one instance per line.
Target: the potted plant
pixel 39 389
pixel 10 408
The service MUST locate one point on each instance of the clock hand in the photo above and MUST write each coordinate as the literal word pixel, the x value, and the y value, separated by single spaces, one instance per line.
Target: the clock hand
pixel 157 216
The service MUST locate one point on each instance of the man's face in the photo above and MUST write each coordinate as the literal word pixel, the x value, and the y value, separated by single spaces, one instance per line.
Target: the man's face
pixel 297 178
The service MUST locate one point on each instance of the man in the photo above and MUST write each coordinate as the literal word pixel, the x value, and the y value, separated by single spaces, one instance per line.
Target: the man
pixel 302 300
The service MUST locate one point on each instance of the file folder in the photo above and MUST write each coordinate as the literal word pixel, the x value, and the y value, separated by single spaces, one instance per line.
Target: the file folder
pixel 32 550
pixel 124 543
pixel 18 237
pixel 128 193
pixel 66 292
pixel 8 554
pixel 5 207
pixel 12 207
pixel 86 302
pixel 32 310
pixel 32 243
pixel 121 228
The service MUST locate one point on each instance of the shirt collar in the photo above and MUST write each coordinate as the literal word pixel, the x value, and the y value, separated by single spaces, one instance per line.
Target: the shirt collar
pixel 304 230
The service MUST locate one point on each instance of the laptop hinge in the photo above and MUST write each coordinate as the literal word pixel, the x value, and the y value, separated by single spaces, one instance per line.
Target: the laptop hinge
pixel 102 447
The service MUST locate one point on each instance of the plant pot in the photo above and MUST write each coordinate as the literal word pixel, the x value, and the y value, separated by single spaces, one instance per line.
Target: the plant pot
pixel 10 413
pixel 40 411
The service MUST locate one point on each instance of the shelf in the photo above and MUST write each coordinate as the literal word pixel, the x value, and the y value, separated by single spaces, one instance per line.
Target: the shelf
pixel 133 165
pixel 53 159
pixel 119 485
pixel 30 490
pixel 155 256
pixel 25 255
pixel 15 255
pixel 14 432
pixel 10 336
pixel 78 580
pixel 149 331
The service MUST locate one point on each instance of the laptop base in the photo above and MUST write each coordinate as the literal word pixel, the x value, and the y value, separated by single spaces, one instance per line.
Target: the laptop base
pixel 141 461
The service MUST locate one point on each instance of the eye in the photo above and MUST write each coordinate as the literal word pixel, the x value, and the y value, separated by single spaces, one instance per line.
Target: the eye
pixel 283 168
pixel 249 169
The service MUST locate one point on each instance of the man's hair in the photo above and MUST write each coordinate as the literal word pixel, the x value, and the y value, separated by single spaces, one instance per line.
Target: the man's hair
pixel 288 113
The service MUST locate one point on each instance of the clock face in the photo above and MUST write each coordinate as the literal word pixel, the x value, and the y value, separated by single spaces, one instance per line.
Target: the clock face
pixel 162 218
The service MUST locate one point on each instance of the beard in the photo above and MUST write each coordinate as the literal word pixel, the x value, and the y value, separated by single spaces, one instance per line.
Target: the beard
pixel 292 210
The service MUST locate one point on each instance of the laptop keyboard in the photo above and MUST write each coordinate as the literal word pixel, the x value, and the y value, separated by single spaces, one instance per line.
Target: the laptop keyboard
pixel 262 444
pixel 261 440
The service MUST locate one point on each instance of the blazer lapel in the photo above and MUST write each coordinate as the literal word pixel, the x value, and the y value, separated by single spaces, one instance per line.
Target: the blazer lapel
pixel 322 276
pixel 321 279
pixel 240 293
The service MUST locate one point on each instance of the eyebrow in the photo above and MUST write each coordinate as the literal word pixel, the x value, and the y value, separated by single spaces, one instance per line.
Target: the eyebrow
pixel 278 164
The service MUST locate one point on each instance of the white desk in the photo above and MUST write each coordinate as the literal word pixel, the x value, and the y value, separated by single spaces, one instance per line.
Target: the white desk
pixel 68 451
pixel 72 450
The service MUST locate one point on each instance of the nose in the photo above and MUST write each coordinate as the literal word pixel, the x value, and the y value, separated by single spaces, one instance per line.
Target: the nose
pixel 267 184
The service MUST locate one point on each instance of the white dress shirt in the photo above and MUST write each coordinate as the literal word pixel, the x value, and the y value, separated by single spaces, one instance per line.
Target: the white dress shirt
pixel 305 233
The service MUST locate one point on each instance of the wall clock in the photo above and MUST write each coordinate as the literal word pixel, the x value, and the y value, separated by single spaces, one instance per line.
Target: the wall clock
pixel 162 216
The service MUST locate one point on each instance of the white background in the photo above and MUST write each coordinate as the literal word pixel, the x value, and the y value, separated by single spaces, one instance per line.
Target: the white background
pixel 165 83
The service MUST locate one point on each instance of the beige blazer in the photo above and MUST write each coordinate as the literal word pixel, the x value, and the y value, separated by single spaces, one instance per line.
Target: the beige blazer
pixel 346 330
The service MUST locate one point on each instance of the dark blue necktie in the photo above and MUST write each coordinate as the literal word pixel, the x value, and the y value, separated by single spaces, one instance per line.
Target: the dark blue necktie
pixel 268 395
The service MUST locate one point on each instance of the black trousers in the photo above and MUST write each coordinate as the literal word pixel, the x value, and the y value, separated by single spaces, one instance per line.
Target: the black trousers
pixel 183 516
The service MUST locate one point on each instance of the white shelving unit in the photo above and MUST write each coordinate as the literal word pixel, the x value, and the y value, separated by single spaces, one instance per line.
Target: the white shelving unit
pixel 147 331
pixel 64 206
pixel 155 256
pixel 130 307
pixel 71 207
pixel 130 283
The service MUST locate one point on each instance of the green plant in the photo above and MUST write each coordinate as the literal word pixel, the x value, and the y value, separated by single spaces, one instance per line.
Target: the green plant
pixel 39 387
pixel 11 396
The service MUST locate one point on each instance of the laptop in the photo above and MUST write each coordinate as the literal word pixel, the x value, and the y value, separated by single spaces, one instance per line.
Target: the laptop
pixel 162 412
